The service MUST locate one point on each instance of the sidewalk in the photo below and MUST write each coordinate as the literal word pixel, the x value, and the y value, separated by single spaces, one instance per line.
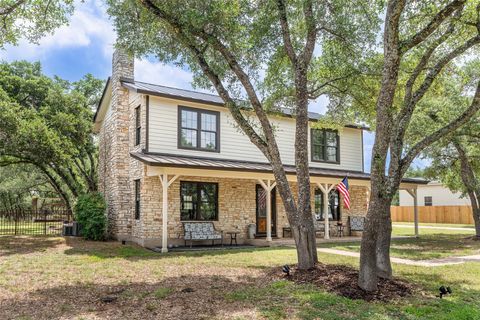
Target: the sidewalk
pixel 432 227
pixel 422 263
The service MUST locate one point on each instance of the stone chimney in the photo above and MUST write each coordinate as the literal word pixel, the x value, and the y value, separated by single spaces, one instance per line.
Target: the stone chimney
pixel 114 158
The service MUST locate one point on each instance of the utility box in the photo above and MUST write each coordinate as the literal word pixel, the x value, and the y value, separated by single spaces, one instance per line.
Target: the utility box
pixel 252 228
pixel 67 230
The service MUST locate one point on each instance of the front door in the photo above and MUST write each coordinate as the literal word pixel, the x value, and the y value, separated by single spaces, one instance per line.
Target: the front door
pixel 261 196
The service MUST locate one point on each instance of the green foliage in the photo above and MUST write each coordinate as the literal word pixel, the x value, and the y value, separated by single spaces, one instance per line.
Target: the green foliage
pixel 31 19
pixel 90 212
pixel 251 31
pixel 48 123
pixel 19 183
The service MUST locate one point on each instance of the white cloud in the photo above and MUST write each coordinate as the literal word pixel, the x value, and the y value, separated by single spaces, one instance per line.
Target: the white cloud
pixel 89 24
pixel 164 74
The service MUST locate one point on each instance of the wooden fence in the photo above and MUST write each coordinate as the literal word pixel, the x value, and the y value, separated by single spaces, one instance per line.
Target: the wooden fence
pixel 434 214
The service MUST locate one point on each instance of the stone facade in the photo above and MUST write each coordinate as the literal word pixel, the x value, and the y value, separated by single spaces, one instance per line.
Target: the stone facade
pixel 237 209
pixel 114 175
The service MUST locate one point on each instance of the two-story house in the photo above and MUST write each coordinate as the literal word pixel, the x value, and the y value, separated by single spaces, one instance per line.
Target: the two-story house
pixel 169 155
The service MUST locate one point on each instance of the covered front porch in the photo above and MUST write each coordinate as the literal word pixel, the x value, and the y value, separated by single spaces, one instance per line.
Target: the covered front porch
pixel 234 196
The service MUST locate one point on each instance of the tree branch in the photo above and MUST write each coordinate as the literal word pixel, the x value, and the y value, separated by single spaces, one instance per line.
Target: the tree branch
pixel 311 32
pixel 431 26
pixel 287 39
pixel 452 126
pixel 10 9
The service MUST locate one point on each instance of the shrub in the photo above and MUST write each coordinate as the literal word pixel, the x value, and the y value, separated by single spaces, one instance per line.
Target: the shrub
pixel 90 212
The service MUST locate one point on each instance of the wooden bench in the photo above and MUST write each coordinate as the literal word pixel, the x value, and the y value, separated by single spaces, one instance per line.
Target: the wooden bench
pixel 201 231
pixel 356 223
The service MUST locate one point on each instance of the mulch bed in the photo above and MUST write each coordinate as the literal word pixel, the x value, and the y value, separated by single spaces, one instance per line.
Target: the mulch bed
pixel 342 280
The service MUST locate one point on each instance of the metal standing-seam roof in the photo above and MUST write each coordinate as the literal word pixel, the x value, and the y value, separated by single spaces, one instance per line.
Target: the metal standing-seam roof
pixel 169 160
pixel 201 97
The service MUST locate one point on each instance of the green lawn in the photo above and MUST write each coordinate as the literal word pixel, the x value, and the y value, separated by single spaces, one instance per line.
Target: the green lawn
pixel 439 225
pixel 429 246
pixel 407 229
pixel 54 278
pixel 432 244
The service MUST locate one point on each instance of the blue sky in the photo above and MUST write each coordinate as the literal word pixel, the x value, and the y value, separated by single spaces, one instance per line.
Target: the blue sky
pixel 86 46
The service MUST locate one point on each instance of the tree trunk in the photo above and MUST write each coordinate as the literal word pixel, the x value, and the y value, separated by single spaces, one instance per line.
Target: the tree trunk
pixel 476 213
pixel 377 208
pixel 470 181
pixel 304 235
pixel 384 266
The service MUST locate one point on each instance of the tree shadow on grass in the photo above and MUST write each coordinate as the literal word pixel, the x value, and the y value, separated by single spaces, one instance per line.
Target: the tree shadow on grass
pixel 180 297
pixel 114 249
pixel 10 245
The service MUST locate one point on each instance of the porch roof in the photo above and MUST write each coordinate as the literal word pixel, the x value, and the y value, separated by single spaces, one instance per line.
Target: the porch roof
pixel 169 160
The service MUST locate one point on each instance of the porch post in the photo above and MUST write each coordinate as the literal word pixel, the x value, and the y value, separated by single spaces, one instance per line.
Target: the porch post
pixel 165 184
pixel 268 187
pixel 413 193
pixel 326 190
pixel 415 211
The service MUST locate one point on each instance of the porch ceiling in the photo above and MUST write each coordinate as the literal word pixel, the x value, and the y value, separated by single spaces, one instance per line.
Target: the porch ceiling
pixel 158 160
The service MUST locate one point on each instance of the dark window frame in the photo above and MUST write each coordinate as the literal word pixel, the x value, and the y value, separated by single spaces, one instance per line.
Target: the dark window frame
pixel 428 203
pixel 199 129
pixel 337 215
pixel 198 200
pixel 137 183
pixel 138 125
pixel 324 146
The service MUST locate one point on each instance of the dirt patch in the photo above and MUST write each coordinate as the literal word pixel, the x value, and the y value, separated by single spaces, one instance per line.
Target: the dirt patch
pixel 342 280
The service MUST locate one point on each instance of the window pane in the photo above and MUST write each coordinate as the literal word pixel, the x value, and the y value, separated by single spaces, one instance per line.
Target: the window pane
pixel 189 138
pixel 208 140
pixel 318 205
pixel 317 137
pixel 137 117
pixel 198 201
pixel 317 153
pixel 331 138
pixel 189 119
pixel 209 122
pixel 331 154
pixel 261 202
pixel 188 195
pixel 334 205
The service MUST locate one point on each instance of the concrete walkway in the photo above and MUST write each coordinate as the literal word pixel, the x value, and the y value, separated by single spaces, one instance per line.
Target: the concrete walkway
pixel 422 263
pixel 432 227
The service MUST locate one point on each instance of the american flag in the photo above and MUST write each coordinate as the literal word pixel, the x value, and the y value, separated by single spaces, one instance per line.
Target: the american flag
pixel 342 187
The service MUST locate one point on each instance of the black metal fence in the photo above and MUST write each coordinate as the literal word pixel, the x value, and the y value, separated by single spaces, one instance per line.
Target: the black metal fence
pixel 33 222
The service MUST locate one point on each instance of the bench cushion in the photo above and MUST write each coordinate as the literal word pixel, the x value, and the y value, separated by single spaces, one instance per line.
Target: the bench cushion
pixel 357 223
pixel 201 231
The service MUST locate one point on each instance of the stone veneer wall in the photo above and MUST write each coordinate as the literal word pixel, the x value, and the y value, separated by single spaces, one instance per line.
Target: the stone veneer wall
pixel 237 207
pixel 114 176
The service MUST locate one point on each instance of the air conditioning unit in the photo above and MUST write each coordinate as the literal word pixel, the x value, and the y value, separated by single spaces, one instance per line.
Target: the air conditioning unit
pixel 67 230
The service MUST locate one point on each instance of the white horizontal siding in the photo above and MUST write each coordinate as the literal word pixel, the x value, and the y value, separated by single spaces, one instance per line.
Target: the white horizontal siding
pixel 234 145
pixel 441 196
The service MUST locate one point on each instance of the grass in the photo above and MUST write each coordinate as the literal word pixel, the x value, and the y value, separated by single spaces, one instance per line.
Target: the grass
pixel 407 229
pixel 438 225
pixel 432 244
pixel 56 278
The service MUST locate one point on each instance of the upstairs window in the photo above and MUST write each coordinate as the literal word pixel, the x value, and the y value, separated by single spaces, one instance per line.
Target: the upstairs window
pixel 137 199
pixel 198 201
pixel 428 201
pixel 138 126
pixel 325 146
pixel 198 129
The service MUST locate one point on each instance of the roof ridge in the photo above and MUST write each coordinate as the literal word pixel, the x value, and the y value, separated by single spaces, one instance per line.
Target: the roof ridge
pixel 176 88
